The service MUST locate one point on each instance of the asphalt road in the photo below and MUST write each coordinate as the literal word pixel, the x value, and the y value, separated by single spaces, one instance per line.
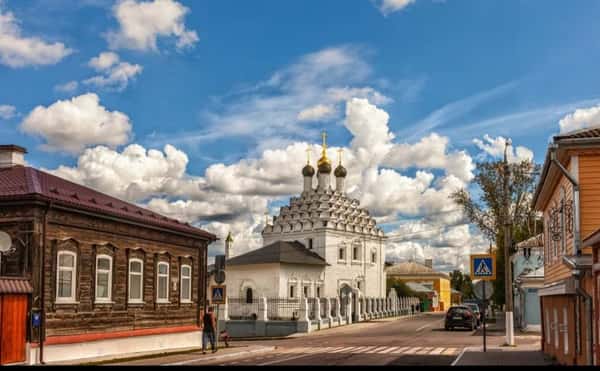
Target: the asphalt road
pixel 418 341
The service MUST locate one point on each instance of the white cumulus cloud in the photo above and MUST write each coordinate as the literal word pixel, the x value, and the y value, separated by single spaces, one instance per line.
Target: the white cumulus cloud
pixel 142 22
pixel 67 87
pixel 494 147
pixel 390 6
pixel 71 125
pixel 17 50
pixel 7 112
pixel 581 118
pixel 315 113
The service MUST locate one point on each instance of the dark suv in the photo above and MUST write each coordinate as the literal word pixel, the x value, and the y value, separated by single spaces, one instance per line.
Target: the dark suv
pixel 460 316
pixel 475 309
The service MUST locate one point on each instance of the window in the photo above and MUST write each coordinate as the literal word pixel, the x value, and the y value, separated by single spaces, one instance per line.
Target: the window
pixel 66 276
pixel 136 282
pixel 249 295
pixel 358 285
pixel 566 330
pixel 162 283
pixel 318 292
pixel 306 291
pixel 341 253
pixel 355 253
pixel 103 278
pixel 563 227
pixel 310 243
pixel 292 293
pixel 373 257
pixel 186 284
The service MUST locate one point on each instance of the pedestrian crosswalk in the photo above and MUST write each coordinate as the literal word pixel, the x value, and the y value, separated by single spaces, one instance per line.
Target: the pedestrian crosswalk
pixel 372 350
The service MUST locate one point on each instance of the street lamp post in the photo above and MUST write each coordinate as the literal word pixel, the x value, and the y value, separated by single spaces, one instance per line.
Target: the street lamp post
pixel 510 338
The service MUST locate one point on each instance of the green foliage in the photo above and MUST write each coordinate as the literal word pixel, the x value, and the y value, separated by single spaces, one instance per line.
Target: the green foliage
pixel 462 282
pixel 488 214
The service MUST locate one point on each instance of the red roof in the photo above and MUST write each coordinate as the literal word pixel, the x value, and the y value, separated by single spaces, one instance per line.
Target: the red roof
pixel 15 286
pixel 19 182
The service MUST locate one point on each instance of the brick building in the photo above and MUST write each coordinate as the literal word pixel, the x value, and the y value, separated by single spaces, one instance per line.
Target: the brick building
pixel 568 196
pixel 106 277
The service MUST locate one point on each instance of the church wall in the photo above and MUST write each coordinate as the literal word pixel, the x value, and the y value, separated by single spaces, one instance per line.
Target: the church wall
pixel 262 278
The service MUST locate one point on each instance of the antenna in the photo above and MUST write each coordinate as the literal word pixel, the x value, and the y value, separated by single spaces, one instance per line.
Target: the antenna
pixel 5 242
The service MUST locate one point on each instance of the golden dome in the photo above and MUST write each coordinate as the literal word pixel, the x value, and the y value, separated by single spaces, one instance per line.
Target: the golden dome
pixel 324 164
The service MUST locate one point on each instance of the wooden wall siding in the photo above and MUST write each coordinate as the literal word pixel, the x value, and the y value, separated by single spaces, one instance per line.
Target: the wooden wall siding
pixel 589 178
pixel 13 320
pixel 554 269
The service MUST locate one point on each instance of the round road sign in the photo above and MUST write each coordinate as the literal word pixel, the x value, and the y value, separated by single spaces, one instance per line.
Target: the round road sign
pixel 478 289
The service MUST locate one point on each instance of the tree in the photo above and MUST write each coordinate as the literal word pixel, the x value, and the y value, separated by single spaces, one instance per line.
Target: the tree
pixel 401 288
pixel 460 281
pixel 487 211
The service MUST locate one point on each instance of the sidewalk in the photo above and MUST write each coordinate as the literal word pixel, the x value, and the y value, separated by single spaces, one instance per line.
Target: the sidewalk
pixel 524 355
pixel 176 358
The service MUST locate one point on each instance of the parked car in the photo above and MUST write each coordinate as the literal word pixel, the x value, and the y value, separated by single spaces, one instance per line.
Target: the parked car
pixel 460 316
pixel 475 309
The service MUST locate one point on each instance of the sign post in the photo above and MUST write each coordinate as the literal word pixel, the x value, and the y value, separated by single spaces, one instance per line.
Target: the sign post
pixel 483 268
pixel 217 296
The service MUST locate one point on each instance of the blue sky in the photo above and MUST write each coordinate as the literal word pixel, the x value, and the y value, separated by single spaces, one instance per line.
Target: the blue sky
pixel 461 69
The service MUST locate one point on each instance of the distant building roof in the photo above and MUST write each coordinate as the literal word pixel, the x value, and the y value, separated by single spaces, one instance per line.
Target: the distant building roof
pixel 535 241
pixel 279 252
pixel 417 287
pixel 22 182
pixel 413 269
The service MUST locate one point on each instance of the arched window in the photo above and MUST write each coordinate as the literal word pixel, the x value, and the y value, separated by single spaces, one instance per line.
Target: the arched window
pixel 162 283
pixel 66 276
pixel 186 284
pixel 249 298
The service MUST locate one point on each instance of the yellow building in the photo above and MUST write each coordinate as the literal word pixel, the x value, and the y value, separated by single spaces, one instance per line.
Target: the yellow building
pixel 424 274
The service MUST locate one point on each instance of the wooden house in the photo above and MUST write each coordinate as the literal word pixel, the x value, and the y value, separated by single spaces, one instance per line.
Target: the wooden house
pixel 102 277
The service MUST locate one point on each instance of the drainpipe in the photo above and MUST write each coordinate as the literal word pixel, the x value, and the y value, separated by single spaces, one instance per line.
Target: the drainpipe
pixel 567 174
pixel 42 332
pixel 588 318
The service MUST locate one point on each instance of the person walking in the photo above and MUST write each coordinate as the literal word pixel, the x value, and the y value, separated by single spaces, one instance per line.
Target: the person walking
pixel 208 330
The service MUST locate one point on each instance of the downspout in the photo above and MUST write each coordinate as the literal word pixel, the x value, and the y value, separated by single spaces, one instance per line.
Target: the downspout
pixel 42 335
pixel 577 242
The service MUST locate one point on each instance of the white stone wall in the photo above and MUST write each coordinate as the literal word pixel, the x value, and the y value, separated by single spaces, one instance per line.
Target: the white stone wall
pixel 262 278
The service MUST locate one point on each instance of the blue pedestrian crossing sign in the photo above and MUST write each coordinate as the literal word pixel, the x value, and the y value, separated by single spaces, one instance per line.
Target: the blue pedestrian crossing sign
pixel 218 294
pixel 483 267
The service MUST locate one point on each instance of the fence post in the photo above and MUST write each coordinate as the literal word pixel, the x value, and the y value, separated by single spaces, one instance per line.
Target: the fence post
pixel 328 311
pixel 338 313
pixel 263 309
pixel 349 309
pixel 318 310
pixel 304 321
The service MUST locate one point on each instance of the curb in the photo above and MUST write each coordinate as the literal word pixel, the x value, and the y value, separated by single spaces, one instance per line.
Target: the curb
pixel 229 355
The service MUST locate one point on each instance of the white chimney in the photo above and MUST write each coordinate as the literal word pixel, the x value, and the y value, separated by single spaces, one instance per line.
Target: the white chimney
pixel 12 155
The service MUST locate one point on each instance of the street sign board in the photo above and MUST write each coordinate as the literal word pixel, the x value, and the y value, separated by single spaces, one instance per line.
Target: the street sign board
pixel 218 294
pixel 483 267
pixel 481 292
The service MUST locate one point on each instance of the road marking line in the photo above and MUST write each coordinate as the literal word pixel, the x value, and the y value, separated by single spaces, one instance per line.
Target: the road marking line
pixel 425 350
pixel 401 350
pixel 459 357
pixel 344 350
pixel 359 349
pixel 283 360
pixel 213 358
pixel 422 327
pixel 450 351
pixel 437 351
pixel 389 350
pixel 364 349
pixel 376 349
pixel 412 350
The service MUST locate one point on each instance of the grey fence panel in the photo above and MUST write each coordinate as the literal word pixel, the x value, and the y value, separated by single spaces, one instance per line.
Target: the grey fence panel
pixel 283 308
pixel 241 308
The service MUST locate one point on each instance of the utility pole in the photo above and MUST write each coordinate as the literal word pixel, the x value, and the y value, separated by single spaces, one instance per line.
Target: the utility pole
pixel 510 338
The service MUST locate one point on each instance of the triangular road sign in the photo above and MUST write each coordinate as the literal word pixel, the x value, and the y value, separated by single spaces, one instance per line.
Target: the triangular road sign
pixel 483 269
pixel 217 294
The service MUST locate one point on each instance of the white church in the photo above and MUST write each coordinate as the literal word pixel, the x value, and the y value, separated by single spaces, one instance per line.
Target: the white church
pixel 322 244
